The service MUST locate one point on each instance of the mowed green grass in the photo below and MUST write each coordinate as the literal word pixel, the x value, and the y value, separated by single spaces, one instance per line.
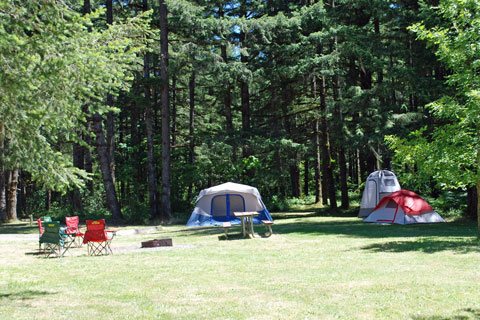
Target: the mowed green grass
pixel 311 268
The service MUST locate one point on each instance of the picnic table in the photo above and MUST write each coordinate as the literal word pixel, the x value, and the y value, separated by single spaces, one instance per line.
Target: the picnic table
pixel 246 218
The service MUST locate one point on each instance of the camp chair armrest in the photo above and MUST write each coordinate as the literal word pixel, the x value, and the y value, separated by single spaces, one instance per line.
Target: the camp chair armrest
pixel 113 233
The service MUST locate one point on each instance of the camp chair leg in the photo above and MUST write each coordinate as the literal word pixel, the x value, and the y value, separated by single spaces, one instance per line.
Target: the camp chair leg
pixel 99 248
pixel 56 250
pixel 66 246
pixel 78 241
pixel 52 249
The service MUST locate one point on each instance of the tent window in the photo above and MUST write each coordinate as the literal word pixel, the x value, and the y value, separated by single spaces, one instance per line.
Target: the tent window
pixel 219 206
pixel 389 182
pixel 386 174
pixel 391 204
pixel 224 205
pixel 236 204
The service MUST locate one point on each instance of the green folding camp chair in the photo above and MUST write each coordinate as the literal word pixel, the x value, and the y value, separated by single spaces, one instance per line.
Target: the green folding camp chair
pixel 56 242
pixel 41 230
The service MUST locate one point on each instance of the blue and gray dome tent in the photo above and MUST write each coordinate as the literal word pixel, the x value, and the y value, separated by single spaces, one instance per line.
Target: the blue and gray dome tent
pixel 217 204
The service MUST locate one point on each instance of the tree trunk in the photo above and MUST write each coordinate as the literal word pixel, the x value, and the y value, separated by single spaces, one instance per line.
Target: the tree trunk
pixel 326 156
pixel 227 98
pixel 191 151
pixel 472 202
pixel 109 5
pixel 87 8
pixel 174 110
pixel 111 138
pixel 281 190
pixel 245 102
pixel 3 198
pixel 318 182
pixel 136 140
pixel 22 195
pixel 478 188
pixel 227 103
pixel 316 144
pixel 12 184
pixel 342 162
pixel 339 131
pixel 306 178
pixel 110 123
pixel 155 95
pixel 103 157
pixel 78 161
pixel 88 155
pixel 166 170
pixel 295 177
pixel 343 178
pixel 478 207
pixel 48 199
pixel 152 181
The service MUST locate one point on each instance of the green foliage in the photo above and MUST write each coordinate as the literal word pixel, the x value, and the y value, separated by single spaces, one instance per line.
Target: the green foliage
pixel 56 69
pixel 277 203
pixel 450 204
pixel 136 212
pixel 352 65
pixel 448 151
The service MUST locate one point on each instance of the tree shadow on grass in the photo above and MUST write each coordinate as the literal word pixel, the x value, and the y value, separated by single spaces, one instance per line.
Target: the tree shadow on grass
pixel 25 295
pixel 459 237
pixel 17 228
pixel 427 245
pixel 464 314
pixel 315 212
pixel 195 231
pixel 357 228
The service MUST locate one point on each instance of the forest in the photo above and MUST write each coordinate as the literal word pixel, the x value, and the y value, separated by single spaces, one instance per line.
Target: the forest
pixel 127 109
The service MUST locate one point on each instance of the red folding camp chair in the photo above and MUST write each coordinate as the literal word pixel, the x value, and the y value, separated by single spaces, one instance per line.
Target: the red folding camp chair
pixel 73 231
pixel 98 239
pixel 40 231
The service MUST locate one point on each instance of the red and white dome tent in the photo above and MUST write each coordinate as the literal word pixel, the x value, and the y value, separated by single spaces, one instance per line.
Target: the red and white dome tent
pixel 403 207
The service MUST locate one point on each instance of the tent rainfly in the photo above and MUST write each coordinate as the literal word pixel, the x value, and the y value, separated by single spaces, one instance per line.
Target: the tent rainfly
pixel 403 207
pixel 378 185
pixel 217 204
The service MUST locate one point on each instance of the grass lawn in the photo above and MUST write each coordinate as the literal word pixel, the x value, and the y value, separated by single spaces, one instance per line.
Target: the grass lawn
pixel 311 268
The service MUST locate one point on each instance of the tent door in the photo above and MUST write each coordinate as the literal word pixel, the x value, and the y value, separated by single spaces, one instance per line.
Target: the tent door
pixel 391 204
pixel 372 194
pixel 223 206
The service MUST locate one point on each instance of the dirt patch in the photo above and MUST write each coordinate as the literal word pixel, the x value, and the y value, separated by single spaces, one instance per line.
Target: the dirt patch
pixel 18 237
pixel 138 249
